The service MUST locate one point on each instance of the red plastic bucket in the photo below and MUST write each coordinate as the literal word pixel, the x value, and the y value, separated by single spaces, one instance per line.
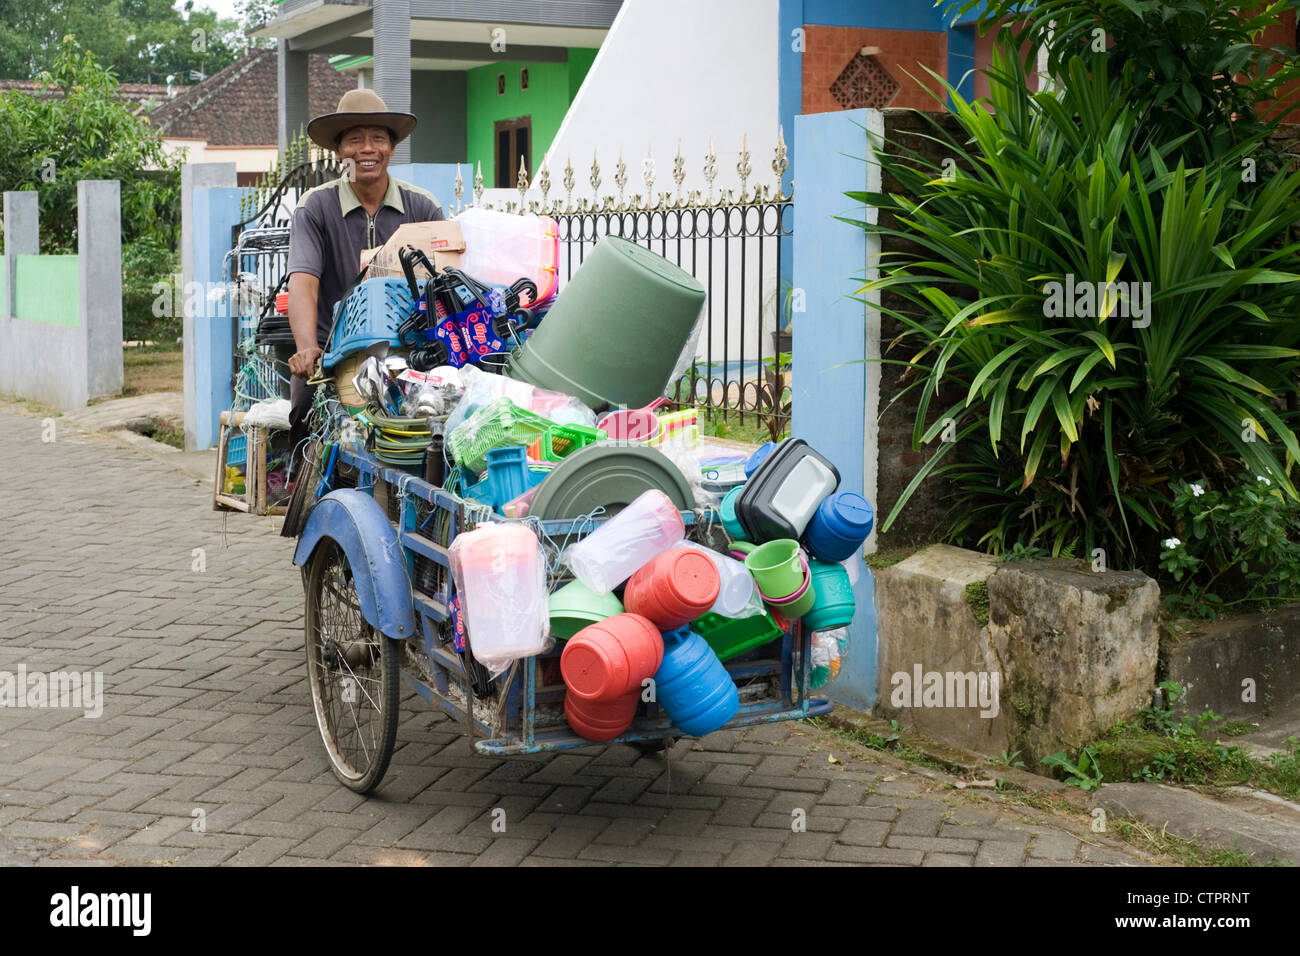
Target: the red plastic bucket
pixel 674 589
pixel 600 720
pixel 611 658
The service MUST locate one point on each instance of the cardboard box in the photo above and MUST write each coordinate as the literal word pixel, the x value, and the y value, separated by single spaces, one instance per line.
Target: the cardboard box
pixel 441 241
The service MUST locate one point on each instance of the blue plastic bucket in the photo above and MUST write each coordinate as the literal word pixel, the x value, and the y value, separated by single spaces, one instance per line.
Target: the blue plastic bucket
pixel 692 686
pixel 839 526
pixel 834 604
pixel 756 459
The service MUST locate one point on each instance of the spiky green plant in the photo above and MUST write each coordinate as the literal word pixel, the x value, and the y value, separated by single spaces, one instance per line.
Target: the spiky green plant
pixel 1070 426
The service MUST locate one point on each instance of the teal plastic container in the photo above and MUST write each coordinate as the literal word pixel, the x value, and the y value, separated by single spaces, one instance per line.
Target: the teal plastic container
pixel 834 604
pixel 692 686
pixel 727 511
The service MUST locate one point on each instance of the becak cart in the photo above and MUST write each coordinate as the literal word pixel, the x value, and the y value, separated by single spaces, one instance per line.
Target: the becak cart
pixel 384 517
pixel 374 554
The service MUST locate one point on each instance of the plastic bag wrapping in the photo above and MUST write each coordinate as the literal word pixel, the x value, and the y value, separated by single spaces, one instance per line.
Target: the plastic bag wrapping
pixel 269 414
pixel 685 455
pixel 425 400
pixel 482 388
pixel 502 247
pixel 636 535
pixel 687 357
pixel 500 575
pixel 438 389
pixel 826 655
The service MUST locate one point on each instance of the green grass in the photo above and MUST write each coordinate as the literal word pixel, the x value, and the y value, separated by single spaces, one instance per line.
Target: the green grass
pixel 752 430
pixel 890 743
pixel 31 406
pixel 1235 728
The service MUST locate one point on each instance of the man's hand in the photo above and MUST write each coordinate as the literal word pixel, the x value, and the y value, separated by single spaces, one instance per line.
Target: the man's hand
pixel 303 290
pixel 303 363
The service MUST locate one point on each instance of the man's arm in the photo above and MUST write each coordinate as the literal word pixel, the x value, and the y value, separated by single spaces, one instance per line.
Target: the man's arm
pixel 306 263
pixel 303 291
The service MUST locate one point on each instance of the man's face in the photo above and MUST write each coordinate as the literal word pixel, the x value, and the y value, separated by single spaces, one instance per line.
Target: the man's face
pixel 370 149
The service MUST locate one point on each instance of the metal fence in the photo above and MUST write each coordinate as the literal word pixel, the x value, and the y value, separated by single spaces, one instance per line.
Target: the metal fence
pixel 731 241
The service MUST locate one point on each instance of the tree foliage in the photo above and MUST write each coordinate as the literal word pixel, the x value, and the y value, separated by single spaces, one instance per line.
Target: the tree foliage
pixel 89 133
pixel 139 40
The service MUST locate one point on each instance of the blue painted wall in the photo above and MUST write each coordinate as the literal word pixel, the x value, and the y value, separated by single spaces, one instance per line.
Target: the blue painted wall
pixel 894 15
pixel 215 213
pixel 439 179
pixel 961 60
pixel 829 402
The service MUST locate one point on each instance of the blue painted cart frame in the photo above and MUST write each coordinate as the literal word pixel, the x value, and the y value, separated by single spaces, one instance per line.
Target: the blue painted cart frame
pixel 390 527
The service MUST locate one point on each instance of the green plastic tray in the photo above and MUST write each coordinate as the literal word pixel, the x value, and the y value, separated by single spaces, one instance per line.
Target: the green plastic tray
pixel 731 637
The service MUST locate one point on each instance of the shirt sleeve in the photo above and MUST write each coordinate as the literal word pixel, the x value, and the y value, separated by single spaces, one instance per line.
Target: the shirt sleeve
pixel 306 242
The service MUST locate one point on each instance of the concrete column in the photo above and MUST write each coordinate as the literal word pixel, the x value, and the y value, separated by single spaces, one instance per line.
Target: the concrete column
pixel 194 177
pixel 291 96
pixel 99 282
pixel 216 212
pixel 22 238
pixel 836 384
pixel 392 46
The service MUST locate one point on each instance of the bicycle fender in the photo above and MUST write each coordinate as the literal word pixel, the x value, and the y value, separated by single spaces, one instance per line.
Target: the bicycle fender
pixel 359 525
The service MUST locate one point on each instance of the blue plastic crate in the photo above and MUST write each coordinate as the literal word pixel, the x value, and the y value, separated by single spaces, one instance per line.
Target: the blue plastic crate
pixel 369 315
pixel 236 450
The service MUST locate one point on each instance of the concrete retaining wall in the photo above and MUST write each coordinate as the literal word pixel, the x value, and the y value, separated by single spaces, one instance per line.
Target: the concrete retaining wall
pixel 1244 667
pixel 1038 656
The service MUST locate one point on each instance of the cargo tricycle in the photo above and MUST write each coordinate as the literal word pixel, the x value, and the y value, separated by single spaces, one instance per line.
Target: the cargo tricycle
pixel 373 549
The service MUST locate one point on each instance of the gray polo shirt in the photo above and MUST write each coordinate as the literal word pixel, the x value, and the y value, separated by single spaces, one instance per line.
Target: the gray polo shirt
pixel 331 229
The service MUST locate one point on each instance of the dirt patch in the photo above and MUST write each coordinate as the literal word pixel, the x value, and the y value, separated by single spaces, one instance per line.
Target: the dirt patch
pixel 147 370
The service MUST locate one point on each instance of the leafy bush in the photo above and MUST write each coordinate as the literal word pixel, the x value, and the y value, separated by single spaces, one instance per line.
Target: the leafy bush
pixel 1074 416
pixel 1200 72
pixel 1239 546
pixel 51 144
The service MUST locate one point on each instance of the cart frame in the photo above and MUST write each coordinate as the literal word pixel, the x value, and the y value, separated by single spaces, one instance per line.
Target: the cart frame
pixel 402 573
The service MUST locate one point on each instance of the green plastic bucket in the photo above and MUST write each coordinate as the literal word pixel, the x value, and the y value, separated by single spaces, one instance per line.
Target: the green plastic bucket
pixel 575 605
pixel 778 568
pixel 617 329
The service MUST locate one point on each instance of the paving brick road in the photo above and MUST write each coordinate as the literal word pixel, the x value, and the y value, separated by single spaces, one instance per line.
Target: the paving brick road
pixel 206 709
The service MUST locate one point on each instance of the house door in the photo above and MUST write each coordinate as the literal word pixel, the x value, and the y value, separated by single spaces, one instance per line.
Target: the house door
pixel 514 142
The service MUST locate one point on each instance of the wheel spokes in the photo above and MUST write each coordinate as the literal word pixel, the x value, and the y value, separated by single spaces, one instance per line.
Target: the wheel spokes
pixel 340 628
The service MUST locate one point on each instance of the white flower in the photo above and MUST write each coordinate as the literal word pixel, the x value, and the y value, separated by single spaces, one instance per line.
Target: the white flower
pixel 1197 491
pixel 1171 543
pixel 1262 480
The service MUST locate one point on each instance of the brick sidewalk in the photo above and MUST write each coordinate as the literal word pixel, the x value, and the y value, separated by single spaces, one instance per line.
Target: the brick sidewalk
pixel 206 708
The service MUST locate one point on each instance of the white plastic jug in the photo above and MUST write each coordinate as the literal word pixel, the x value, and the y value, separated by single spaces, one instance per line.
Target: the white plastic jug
pixel 643 530
pixel 500 575
pixel 736 595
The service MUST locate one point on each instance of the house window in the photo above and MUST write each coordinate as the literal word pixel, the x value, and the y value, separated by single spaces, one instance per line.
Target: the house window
pixel 864 84
pixel 501 84
pixel 523 78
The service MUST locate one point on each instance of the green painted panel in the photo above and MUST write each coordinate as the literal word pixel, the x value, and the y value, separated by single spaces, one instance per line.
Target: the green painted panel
pixel 46 289
pixel 546 100
pixel 580 60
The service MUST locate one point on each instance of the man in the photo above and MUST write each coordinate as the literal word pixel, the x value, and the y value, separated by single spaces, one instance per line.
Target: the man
pixel 335 222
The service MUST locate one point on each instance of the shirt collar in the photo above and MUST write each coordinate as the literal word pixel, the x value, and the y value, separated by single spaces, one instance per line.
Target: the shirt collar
pixel 348 200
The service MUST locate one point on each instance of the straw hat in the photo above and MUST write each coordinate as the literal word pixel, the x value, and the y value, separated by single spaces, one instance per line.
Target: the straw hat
pixel 358 108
